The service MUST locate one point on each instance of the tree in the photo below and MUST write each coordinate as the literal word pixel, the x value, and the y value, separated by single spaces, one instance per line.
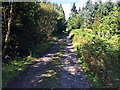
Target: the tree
pixel 96 25
pixel 74 10
pixel 8 27
pixel 74 19
pixel 29 24
pixel 61 24
pixel 108 7
pixel 119 15
pixel 110 22
pixel 89 14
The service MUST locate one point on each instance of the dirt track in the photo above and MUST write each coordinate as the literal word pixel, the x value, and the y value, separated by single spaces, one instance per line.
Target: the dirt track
pixel 71 76
pixel 33 74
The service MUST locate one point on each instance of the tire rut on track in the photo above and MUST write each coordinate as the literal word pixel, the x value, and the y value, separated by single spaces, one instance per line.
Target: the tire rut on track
pixel 72 75
pixel 33 74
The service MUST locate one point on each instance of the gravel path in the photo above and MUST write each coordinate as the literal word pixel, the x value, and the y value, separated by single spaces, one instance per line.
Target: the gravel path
pixel 33 74
pixel 72 75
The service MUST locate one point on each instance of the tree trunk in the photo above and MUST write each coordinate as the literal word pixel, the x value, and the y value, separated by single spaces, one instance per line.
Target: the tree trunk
pixel 5 25
pixel 8 29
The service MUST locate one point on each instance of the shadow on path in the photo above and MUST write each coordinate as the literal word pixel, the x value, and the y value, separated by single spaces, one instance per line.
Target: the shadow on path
pixel 72 75
pixel 33 74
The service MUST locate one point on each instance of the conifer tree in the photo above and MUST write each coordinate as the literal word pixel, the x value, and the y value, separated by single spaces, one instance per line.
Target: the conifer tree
pixel 73 10
pixel 61 24
pixel 74 19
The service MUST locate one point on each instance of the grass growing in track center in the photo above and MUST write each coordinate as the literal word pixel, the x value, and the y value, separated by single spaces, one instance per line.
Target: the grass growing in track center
pixel 52 74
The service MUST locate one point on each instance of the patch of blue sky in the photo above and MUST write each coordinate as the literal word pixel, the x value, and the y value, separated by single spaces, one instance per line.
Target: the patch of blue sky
pixel 65 1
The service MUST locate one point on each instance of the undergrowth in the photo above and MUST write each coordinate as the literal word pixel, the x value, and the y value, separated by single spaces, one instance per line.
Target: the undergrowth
pixel 40 48
pixel 98 57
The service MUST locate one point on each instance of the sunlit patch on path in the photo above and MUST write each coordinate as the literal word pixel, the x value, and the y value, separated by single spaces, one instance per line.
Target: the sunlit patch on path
pixel 72 75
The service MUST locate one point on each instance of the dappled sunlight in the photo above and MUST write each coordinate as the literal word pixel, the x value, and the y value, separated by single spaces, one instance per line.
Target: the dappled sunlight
pixel 72 70
pixel 32 81
pixel 38 76
pixel 72 75
pixel 46 59
pixel 71 50
pixel 36 64
pixel 40 81
pixel 47 75
pixel 50 54
pixel 38 73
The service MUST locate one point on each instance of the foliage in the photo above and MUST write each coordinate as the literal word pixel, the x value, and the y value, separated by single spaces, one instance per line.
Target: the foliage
pixel 31 30
pixel 98 57
pixel 61 22
pixel 104 26
pixel 74 19
pixel 96 42
pixel 32 24
pixel 13 68
pixel 73 22
pixel 73 10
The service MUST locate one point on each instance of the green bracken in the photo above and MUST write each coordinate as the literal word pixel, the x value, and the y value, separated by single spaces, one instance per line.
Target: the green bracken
pixel 98 57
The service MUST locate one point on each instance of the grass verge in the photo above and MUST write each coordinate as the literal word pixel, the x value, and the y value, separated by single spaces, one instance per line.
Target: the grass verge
pixel 40 48
pixel 14 68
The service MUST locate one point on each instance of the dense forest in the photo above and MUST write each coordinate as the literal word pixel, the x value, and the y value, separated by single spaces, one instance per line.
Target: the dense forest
pixel 26 25
pixel 95 34
pixel 29 28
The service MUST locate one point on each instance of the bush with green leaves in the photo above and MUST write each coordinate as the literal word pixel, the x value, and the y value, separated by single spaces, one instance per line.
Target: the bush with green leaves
pixel 98 55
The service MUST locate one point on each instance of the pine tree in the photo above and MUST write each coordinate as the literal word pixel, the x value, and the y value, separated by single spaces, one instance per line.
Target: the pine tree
pixel 99 14
pixel 108 7
pixel 89 14
pixel 74 10
pixel 61 22
pixel 74 19
pixel 119 15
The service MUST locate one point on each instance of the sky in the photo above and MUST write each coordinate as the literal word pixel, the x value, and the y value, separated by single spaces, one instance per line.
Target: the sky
pixel 67 4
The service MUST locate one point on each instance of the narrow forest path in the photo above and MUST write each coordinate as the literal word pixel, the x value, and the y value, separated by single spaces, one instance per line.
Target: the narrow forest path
pixel 72 75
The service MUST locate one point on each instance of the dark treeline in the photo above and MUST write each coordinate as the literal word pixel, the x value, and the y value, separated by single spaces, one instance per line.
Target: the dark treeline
pixel 28 24
pixel 95 34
